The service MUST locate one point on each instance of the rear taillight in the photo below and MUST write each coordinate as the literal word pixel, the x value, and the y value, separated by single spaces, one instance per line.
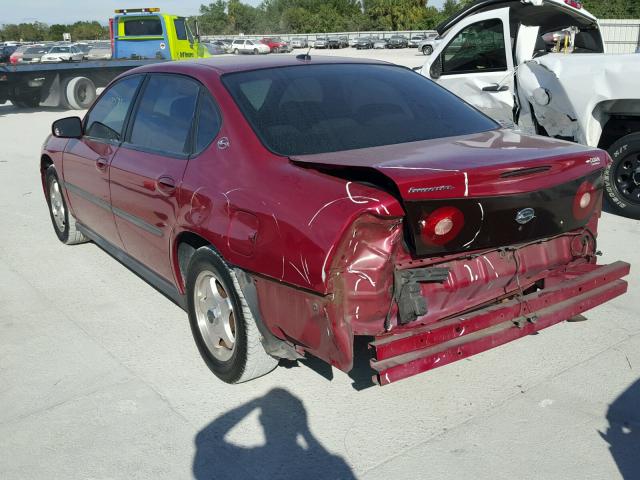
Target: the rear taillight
pixel 573 3
pixel 442 225
pixel 584 200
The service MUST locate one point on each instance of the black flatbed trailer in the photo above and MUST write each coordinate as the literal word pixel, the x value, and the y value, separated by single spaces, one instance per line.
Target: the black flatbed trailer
pixel 66 84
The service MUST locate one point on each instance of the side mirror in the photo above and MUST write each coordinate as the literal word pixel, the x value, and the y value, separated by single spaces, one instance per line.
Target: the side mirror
pixel 70 127
pixel 197 29
pixel 436 68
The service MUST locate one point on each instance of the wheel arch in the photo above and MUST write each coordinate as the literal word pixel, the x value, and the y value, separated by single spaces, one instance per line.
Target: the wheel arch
pixel 612 120
pixel 184 245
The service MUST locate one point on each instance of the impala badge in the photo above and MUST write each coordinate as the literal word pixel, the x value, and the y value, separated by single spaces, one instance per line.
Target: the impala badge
pixel 525 215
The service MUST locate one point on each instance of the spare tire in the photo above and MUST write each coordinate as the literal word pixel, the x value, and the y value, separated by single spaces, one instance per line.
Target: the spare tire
pixel 80 93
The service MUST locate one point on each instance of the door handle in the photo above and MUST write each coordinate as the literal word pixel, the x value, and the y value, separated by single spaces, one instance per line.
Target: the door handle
pixel 166 185
pixel 495 88
pixel 102 164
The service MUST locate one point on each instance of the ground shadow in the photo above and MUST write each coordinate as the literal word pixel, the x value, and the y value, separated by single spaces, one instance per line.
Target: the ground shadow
pixel 9 109
pixel 361 373
pixel 290 451
pixel 623 434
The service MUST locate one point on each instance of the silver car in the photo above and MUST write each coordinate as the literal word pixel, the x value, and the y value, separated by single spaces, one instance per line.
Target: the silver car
pixel 299 42
pixel 321 42
pixel 99 51
pixel 427 45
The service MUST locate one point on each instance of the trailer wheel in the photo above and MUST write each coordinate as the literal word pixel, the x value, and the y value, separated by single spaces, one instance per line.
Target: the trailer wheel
pixel 622 177
pixel 80 92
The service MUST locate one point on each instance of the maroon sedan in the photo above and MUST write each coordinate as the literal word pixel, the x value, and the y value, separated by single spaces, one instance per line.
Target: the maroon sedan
pixel 290 204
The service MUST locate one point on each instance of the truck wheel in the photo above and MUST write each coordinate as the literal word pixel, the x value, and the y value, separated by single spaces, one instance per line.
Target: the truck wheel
pixel 622 177
pixel 427 50
pixel 222 324
pixel 80 93
pixel 63 222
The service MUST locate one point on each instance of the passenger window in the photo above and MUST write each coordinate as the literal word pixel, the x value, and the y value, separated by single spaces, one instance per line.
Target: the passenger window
pixel 181 29
pixel 477 48
pixel 208 122
pixel 106 119
pixel 165 113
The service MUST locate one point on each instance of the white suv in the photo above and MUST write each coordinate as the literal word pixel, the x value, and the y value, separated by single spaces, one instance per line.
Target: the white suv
pixel 249 46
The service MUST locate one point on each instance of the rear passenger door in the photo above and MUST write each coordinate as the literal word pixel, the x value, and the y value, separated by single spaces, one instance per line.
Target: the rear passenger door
pixel 148 168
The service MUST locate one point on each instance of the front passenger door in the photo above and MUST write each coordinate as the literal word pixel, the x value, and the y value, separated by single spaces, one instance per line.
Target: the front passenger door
pixel 86 161
pixel 148 168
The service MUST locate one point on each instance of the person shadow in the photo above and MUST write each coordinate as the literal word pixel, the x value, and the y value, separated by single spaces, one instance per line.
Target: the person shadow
pixel 290 450
pixel 623 434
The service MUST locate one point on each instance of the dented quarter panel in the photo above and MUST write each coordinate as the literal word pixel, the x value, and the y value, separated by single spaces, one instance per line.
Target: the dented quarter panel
pixel 578 84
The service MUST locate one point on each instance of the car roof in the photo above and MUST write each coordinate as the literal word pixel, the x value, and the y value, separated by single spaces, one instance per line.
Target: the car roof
pixel 241 63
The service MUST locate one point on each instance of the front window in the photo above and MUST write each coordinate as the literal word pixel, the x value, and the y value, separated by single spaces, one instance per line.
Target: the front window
pixel 476 48
pixel 313 109
pixel 106 119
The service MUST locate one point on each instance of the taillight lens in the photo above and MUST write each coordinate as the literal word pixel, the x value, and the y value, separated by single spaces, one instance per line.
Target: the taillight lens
pixel 574 4
pixel 442 225
pixel 584 201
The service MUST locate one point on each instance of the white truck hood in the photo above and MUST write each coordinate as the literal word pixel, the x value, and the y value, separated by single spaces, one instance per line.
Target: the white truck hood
pixel 582 89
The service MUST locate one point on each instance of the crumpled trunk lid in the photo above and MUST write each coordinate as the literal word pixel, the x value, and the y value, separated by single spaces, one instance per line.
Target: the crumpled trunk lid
pixel 491 177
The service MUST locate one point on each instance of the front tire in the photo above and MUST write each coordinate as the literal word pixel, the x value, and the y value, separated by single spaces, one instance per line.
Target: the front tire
pixel 64 224
pixel 222 324
pixel 255 51
pixel 427 50
pixel 236 51
pixel 622 177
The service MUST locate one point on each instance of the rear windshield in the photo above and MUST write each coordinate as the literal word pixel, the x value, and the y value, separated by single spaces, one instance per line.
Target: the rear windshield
pixel 311 109
pixel 143 26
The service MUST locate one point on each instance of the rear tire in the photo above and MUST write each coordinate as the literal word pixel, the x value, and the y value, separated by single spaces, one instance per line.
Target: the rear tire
pixel 64 224
pixel 222 324
pixel 622 177
pixel 255 51
pixel 80 93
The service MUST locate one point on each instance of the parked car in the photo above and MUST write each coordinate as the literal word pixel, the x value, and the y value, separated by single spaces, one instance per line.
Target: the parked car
pixel 299 42
pixel 353 41
pixel 276 44
pixel 62 53
pixel 381 43
pixel 249 46
pixel 344 41
pixel 6 51
pixel 394 210
pixel 34 54
pixel 427 45
pixel 100 51
pixel 364 43
pixel 397 41
pixel 214 49
pixel 16 56
pixel 321 42
pixel 415 40
pixel 84 48
pixel 334 42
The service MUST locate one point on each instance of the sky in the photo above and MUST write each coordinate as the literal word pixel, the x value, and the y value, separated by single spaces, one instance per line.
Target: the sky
pixel 69 11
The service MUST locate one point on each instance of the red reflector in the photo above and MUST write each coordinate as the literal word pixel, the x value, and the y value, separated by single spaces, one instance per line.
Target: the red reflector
pixel 442 225
pixel 573 3
pixel 584 200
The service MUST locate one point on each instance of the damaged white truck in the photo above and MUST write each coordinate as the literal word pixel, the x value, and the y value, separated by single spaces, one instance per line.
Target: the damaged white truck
pixel 541 65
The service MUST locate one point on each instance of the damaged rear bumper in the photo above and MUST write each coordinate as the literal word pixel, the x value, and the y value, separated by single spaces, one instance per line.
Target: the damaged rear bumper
pixel 566 293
